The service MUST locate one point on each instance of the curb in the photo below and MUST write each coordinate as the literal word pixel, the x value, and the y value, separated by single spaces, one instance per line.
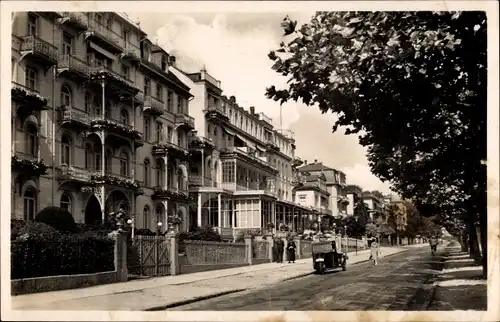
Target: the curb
pixel 193 300
pixel 360 262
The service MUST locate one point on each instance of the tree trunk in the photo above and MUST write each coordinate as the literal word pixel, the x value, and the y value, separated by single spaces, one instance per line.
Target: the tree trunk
pixel 473 242
pixel 483 226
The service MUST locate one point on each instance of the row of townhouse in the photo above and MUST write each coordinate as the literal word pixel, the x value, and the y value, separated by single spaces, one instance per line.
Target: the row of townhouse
pixel 113 119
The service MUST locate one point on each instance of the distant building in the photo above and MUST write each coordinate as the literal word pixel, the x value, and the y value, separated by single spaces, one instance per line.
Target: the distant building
pixel 335 182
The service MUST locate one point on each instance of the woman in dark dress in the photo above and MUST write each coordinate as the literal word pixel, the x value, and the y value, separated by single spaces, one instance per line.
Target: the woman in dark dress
pixel 290 251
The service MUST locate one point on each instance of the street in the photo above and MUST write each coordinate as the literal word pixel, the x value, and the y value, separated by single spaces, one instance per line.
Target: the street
pixel 399 282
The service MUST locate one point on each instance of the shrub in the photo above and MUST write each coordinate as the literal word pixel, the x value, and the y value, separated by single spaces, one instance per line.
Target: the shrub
pixel 57 217
pixel 15 227
pixel 36 256
pixel 89 230
pixel 206 234
pixel 39 231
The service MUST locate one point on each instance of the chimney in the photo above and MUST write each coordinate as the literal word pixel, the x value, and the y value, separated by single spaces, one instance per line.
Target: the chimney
pixel 252 110
pixel 305 162
pixel 171 60
pixel 315 160
pixel 232 99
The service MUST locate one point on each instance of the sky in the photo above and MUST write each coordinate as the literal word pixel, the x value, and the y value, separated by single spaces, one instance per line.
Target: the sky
pixel 233 47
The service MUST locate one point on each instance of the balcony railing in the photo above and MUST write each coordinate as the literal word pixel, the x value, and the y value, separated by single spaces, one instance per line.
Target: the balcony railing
pixel 39 48
pixel 201 141
pixel 182 118
pixel 131 51
pixel 266 118
pixel 94 70
pixel 28 95
pixel 78 20
pixel 106 33
pixel 153 105
pixel 73 64
pixel 70 114
pixel 287 133
pixel 198 180
pixel 251 156
pixel 216 109
pixel 74 173
pixel 209 78
pixel 249 187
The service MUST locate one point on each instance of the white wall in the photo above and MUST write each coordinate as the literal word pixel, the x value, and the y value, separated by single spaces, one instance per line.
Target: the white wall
pixel 350 206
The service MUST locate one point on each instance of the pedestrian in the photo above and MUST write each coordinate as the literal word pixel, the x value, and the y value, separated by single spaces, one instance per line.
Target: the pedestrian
pixel 375 251
pixel 290 251
pixel 280 248
pixel 433 241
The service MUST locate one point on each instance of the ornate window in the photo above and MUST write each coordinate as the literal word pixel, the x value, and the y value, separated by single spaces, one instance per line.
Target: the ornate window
pixel 145 218
pixel 124 164
pixel 146 173
pixel 29 209
pixel 66 150
pixel 124 116
pixel 32 140
pixel 65 95
pixel 66 202
pixel 159 172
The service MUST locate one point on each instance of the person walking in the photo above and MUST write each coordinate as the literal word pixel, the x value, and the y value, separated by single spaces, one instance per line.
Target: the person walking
pixel 280 248
pixel 290 250
pixel 433 241
pixel 375 251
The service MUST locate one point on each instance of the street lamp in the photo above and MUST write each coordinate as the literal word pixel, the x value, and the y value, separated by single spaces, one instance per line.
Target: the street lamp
pixel 131 222
pixel 159 227
pixel 346 240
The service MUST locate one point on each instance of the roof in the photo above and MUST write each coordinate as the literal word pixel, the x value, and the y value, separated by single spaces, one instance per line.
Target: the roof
pixel 314 167
pixel 315 177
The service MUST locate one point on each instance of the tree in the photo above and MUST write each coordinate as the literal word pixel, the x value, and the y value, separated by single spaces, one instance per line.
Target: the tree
pixel 412 86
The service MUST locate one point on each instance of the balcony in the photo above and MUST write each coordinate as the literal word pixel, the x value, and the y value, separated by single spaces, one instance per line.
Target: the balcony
pixel 73 66
pixel 216 113
pixel 210 79
pixel 297 162
pixel 28 164
pixel 234 151
pixel 287 133
pixel 116 127
pixel 182 119
pixel 153 106
pixel 117 180
pixel 77 21
pixel 131 52
pixel 104 36
pixel 342 199
pixel 40 50
pixel 163 147
pixel 265 118
pixel 201 142
pixel 199 181
pixel 73 117
pixel 28 98
pixel 115 82
pixel 250 187
pixel 272 145
pixel 170 193
pixel 73 174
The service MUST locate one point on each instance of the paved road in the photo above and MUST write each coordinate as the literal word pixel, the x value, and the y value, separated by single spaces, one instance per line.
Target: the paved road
pixel 399 282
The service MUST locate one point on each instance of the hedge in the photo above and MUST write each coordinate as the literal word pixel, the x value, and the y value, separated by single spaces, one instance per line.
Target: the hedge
pixel 59 218
pixel 37 256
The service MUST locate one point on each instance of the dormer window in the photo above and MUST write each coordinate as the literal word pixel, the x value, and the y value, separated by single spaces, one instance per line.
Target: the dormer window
pixel 164 65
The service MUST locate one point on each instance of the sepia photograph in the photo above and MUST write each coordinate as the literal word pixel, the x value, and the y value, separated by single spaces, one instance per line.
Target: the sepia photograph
pixel 219 161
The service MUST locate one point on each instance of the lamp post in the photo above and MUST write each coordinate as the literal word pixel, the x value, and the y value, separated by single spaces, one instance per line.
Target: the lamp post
pixel 159 227
pixel 346 241
pixel 131 222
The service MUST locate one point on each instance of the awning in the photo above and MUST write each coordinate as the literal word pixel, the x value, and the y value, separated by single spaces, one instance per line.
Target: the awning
pixel 228 131
pixel 103 51
pixel 250 145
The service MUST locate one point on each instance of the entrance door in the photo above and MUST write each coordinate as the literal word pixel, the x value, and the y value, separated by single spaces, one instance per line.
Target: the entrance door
pixel 93 214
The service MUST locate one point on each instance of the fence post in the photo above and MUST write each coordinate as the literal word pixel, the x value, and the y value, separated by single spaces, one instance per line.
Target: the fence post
pixel 248 243
pixel 121 256
pixel 173 239
pixel 270 244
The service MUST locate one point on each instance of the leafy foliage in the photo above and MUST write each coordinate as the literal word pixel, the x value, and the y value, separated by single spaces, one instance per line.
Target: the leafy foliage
pixel 420 74
pixel 57 217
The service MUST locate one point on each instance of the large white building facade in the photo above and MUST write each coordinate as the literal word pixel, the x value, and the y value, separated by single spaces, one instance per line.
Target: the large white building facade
pixel 241 168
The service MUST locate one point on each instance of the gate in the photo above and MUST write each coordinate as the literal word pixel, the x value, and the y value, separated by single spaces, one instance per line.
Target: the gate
pixel 149 256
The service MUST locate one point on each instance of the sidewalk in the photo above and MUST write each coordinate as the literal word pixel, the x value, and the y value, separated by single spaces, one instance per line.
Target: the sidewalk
pixel 460 285
pixel 169 291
